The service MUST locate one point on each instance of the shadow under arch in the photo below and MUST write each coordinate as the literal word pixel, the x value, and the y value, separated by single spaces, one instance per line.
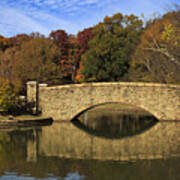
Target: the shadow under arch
pixel 84 109
pixel 130 124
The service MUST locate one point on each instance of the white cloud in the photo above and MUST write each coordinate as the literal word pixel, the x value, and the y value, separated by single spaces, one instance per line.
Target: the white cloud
pixel 17 22
pixel 25 16
pixel 87 2
pixel 14 21
pixel 52 22
pixel 65 4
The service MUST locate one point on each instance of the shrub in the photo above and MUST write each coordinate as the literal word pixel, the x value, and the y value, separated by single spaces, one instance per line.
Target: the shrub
pixel 8 94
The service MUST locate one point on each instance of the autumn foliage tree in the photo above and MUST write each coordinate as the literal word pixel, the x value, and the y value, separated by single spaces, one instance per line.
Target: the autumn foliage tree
pixel 17 40
pixel 8 48
pixel 66 48
pixel 36 59
pixel 73 60
pixel 83 38
pixel 3 45
pixel 71 48
pixel 60 38
pixel 157 58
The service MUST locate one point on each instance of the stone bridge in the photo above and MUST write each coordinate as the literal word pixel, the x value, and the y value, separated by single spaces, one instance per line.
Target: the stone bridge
pixel 67 101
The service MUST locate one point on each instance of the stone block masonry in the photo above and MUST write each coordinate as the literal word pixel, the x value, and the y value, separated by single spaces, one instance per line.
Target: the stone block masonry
pixel 67 101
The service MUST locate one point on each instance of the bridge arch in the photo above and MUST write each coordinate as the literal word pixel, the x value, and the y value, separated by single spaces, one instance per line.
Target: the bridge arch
pixel 116 124
pixel 65 102
pixel 84 109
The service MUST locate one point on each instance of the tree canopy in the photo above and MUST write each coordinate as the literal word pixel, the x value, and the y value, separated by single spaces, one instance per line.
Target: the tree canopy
pixel 120 48
pixel 109 51
pixel 157 57
pixel 36 59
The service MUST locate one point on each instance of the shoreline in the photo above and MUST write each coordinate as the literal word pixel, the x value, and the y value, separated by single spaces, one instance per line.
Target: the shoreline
pixel 24 121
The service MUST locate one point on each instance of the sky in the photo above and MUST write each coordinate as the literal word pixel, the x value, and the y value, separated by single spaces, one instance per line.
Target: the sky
pixel 44 16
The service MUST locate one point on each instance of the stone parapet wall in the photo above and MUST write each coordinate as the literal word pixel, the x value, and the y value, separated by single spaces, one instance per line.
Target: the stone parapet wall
pixel 117 83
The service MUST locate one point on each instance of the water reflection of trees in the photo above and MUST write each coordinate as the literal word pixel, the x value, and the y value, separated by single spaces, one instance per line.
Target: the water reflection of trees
pixel 13 150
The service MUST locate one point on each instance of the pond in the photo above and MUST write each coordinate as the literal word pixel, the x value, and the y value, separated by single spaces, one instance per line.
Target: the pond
pixel 101 144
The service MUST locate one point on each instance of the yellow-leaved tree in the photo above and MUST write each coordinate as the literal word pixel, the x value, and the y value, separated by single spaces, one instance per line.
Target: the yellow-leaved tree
pixel 157 57
pixel 8 94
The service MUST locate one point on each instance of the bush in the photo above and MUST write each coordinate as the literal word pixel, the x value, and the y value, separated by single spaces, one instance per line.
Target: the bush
pixel 8 94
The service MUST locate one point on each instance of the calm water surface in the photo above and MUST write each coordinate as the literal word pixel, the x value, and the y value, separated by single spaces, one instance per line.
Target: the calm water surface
pixel 96 146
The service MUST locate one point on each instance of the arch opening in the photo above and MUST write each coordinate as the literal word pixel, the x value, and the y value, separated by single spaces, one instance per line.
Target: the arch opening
pixel 115 106
pixel 114 120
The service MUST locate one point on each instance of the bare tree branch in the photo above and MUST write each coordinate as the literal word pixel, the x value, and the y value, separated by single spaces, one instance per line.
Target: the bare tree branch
pixel 166 53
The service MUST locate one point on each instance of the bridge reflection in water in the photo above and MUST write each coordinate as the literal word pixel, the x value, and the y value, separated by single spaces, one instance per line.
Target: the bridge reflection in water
pixel 114 125
pixel 68 141
pixel 65 147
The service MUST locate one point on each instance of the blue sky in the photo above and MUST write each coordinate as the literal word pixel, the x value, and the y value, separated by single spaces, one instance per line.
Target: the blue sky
pixel 26 16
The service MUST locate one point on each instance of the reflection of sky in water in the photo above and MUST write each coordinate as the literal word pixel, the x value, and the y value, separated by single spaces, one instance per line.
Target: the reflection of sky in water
pixel 73 176
pixel 70 176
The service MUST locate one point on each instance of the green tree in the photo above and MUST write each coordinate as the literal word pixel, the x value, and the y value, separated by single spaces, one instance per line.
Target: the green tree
pixel 8 93
pixel 109 51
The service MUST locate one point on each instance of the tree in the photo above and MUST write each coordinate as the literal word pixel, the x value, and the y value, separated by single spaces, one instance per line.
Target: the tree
pixel 3 45
pixel 73 56
pixel 36 59
pixel 8 93
pixel 8 49
pixel 108 56
pixel 60 38
pixel 63 42
pixel 157 57
pixel 72 48
pixel 17 40
pixel 83 38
